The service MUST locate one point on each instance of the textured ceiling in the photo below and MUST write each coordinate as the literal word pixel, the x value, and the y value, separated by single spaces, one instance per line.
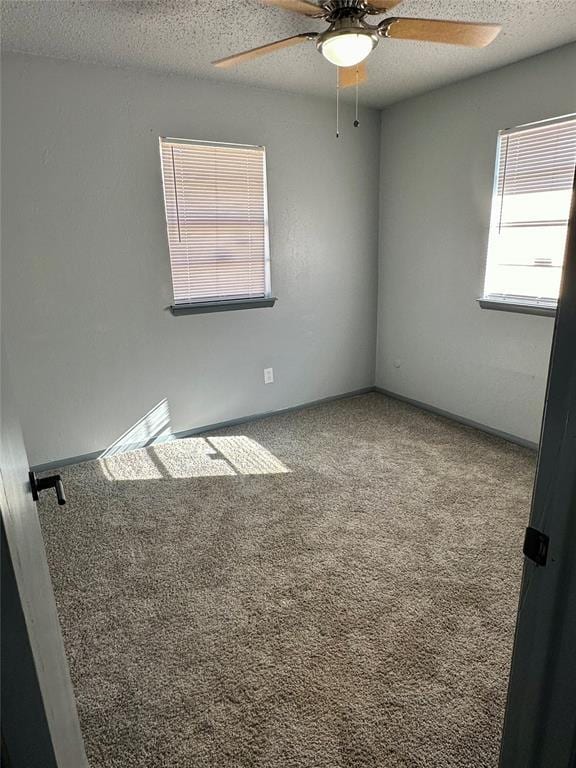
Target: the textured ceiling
pixel 180 36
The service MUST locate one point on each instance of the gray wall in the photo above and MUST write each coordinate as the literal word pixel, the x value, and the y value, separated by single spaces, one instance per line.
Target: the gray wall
pixel 86 274
pixel 437 158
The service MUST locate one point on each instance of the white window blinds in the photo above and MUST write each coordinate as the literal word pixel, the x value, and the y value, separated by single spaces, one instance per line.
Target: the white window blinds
pixel 530 209
pixel 217 220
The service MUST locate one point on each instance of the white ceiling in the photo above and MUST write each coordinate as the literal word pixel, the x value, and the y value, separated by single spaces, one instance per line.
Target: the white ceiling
pixel 183 36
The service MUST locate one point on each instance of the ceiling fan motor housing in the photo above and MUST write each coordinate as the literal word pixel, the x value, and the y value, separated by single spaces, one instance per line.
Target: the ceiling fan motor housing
pixel 336 9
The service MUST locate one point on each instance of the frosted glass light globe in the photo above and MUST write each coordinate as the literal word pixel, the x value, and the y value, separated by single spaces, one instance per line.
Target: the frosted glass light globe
pixel 347 49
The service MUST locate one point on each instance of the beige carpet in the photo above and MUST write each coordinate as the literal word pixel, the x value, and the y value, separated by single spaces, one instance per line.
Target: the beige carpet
pixel 331 588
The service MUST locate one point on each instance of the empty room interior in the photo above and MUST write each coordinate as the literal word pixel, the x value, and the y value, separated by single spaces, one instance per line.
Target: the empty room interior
pixel 279 287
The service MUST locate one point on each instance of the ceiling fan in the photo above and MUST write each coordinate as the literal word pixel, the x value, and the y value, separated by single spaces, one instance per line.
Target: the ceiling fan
pixel 349 38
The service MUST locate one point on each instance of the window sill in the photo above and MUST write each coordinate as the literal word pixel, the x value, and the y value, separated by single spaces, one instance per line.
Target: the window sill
pixel 228 305
pixel 521 307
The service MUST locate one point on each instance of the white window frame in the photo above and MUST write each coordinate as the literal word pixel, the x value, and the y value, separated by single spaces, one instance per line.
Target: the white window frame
pixel 219 304
pixel 509 302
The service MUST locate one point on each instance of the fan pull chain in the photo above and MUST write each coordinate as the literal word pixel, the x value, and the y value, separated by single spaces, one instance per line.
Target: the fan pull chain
pixel 337 103
pixel 356 121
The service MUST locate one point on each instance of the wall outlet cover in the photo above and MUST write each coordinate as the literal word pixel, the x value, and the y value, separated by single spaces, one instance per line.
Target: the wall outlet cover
pixel 268 375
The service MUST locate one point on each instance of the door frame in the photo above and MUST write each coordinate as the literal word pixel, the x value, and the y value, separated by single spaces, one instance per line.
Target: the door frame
pixel 540 719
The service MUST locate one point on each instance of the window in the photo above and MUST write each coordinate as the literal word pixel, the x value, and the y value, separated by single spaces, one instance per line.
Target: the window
pixel 530 209
pixel 217 222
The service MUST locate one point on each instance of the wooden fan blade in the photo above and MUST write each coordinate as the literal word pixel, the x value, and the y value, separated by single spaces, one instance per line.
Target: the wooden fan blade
pixel 440 31
pixel 383 5
pixel 262 50
pixel 348 76
pixel 298 6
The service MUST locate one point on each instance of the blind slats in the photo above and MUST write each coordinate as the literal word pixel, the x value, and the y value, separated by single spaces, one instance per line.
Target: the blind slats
pixel 216 220
pixel 530 209
pixel 538 159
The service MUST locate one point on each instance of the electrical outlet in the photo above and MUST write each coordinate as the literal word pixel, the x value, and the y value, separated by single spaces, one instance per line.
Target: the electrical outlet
pixel 268 375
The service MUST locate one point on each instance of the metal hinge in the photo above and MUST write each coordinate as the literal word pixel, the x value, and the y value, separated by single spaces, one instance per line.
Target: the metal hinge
pixel 536 546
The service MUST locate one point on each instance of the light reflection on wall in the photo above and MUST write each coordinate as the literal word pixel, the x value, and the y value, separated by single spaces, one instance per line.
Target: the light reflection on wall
pixel 153 427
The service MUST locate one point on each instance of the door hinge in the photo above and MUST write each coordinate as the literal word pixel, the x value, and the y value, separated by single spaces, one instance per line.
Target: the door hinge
pixel 536 546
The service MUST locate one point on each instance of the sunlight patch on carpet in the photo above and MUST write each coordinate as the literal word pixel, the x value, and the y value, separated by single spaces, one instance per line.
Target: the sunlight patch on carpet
pixel 229 455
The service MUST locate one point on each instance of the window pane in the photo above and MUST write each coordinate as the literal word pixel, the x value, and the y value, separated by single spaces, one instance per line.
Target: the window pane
pixel 530 209
pixel 216 218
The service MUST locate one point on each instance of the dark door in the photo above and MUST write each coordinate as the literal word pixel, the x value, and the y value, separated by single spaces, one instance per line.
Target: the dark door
pixel 40 727
pixel 540 722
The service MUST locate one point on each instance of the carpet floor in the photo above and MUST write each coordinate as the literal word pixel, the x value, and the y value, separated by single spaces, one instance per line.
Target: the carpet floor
pixel 330 588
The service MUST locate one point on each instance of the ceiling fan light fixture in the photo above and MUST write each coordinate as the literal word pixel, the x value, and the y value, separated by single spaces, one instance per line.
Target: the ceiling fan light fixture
pixel 347 48
pixel 347 42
